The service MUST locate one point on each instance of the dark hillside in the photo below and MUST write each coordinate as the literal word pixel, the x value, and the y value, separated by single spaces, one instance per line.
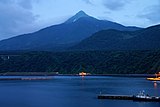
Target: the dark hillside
pixel 94 62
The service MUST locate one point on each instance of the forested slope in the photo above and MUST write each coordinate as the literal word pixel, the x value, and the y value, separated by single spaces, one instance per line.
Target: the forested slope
pixel 94 62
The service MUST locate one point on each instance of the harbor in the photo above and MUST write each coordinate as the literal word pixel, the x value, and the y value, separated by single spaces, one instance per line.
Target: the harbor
pixel 75 91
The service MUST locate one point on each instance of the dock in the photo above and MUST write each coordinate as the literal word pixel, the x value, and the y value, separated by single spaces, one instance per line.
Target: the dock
pixel 129 97
pixel 119 97
pixel 27 78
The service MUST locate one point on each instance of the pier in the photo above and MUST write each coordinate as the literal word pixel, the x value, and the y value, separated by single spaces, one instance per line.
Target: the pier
pixel 28 78
pixel 120 97
pixel 129 97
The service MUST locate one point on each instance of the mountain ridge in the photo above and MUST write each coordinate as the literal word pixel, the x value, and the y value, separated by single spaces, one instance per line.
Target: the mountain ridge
pixel 144 39
pixel 61 35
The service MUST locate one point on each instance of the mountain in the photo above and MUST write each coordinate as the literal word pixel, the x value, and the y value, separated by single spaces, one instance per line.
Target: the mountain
pixel 144 39
pixel 77 16
pixel 61 36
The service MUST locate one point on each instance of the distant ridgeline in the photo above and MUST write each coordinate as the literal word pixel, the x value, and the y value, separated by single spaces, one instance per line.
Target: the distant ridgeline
pixel 94 62
pixel 61 36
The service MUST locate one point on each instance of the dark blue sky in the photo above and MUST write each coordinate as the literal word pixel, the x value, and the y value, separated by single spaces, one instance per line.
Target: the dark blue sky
pixel 23 16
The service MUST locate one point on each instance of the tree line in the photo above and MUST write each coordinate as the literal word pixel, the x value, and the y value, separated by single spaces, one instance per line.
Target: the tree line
pixel 73 62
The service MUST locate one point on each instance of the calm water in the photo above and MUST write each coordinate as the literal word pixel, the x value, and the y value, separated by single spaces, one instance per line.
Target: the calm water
pixel 75 92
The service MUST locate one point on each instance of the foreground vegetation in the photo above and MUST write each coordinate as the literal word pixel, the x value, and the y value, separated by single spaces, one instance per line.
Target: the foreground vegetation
pixel 94 62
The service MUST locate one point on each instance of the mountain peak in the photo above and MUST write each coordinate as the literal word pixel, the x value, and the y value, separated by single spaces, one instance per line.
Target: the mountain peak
pixel 81 14
pixel 77 16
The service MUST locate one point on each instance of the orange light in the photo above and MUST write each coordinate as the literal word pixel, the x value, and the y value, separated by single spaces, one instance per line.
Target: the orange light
pixel 82 73
pixel 155 85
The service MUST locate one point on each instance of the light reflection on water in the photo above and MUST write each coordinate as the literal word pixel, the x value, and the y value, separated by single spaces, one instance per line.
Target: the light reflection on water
pixel 74 91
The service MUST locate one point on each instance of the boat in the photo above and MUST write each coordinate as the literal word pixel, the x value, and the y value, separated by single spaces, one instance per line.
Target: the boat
pixel 145 97
pixel 157 78
pixel 154 79
pixel 139 97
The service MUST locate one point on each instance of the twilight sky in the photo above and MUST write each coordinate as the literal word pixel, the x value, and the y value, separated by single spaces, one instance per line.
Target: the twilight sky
pixel 24 16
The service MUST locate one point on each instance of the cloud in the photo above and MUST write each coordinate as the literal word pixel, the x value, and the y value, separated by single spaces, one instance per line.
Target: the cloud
pixel 152 14
pixel 88 1
pixel 115 4
pixel 25 4
pixel 15 17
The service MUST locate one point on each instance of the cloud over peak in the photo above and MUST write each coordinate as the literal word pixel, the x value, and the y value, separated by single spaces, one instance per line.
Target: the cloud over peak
pixel 20 16
pixel 115 4
pixel 87 1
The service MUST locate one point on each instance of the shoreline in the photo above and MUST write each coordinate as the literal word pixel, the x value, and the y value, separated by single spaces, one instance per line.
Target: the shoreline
pixel 29 74
pixel 56 74
pixel 51 76
pixel 113 75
